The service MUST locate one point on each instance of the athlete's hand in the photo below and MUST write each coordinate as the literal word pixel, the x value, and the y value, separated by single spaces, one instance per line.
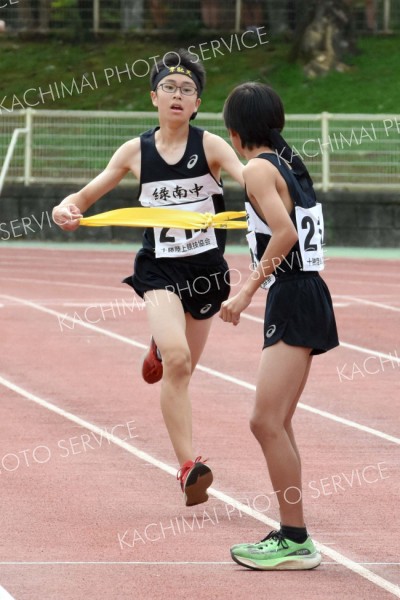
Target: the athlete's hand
pixel 231 308
pixel 67 217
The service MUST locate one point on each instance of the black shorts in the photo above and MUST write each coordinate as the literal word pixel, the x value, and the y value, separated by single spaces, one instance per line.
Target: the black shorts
pixel 201 285
pixel 299 312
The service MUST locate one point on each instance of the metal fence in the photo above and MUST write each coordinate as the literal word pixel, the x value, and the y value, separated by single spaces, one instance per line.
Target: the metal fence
pixel 357 151
pixel 278 16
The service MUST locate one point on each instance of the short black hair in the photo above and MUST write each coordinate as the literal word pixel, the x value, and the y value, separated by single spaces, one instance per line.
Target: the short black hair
pixel 183 58
pixel 255 112
pixel 252 110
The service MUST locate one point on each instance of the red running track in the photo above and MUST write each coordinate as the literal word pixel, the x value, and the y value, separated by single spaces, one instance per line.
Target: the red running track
pixel 90 506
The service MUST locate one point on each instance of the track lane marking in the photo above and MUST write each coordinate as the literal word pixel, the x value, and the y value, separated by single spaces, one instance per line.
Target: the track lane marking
pixel 104 288
pixel 344 344
pixel 70 283
pixel 4 595
pixel 368 302
pixel 150 562
pixel 218 374
pixel 333 554
pixel 307 407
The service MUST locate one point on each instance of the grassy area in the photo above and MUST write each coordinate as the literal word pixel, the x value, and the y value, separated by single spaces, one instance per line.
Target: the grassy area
pixel 368 86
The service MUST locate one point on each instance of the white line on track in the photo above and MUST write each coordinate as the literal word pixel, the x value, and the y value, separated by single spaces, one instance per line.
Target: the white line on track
pixel 361 349
pixel 120 562
pixel 151 562
pixel 339 279
pixel 92 286
pixel 122 287
pixel 56 272
pixel 4 595
pixel 391 358
pixel 59 261
pixel 316 411
pixel 127 302
pixel 218 374
pixel 137 303
pixel 333 554
pixel 369 302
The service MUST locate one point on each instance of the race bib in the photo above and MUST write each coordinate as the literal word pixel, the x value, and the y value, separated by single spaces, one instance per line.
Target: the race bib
pixel 310 229
pixel 252 242
pixel 170 242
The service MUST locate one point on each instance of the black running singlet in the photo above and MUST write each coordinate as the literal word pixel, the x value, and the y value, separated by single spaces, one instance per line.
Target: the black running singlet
pixel 307 253
pixel 186 185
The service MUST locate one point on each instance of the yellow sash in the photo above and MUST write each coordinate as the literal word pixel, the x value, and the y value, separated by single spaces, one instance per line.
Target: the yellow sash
pixel 165 217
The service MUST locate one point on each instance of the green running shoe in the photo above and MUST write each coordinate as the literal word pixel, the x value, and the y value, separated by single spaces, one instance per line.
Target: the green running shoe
pixel 247 545
pixel 276 552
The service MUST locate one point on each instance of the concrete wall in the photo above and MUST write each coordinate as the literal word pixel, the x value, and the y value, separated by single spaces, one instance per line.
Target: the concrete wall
pixel 366 219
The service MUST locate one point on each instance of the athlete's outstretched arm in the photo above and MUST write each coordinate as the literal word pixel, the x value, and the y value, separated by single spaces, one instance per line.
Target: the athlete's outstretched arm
pixel 68 213
pixel 221 156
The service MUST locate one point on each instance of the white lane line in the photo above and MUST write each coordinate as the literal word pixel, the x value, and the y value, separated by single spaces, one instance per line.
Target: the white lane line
pixel 369 302
pixel 251 318
pixel 333 554
pixel 316 411
pixel 122 287
pixel 361 349
pixel 150 562
pixel 368 296
pixel 209 371
pixel 4 595
pixel 56 272
pixel 339 279
pixel 391 358
pixel 59 261
pixel 121 302
pixel 124 302
pixel 92 286
pixel 121 562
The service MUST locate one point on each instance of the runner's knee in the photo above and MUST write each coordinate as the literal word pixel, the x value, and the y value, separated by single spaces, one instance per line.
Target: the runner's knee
pixel 177 362
pixel 264 428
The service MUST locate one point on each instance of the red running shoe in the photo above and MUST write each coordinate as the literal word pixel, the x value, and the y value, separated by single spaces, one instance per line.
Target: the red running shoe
pixel 195 478
pixel 152 369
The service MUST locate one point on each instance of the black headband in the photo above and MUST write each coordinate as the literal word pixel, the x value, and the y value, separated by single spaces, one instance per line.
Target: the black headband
pixel 177 71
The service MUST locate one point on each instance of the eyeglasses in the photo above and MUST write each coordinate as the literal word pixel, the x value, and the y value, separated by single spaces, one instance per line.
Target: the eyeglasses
pixel 170 88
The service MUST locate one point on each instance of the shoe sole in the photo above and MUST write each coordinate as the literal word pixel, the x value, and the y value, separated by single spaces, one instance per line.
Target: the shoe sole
pixel 198 481
pixel 152 369
pixel 300 564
